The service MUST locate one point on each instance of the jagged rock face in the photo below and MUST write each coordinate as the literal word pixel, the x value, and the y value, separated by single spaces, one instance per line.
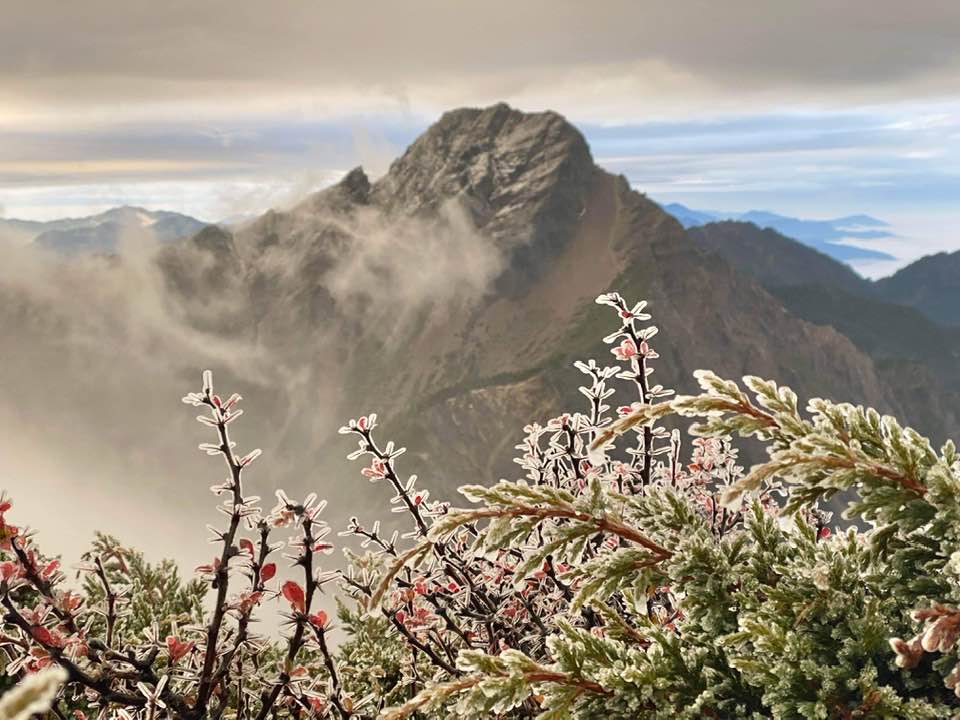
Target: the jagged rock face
pixel 512 206
pixel 523 178
pixel 207 282
pixel 509 167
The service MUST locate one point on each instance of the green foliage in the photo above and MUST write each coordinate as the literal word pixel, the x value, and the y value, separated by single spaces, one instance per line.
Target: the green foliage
pixel 778 618
pixel 156 595
pixel 371 658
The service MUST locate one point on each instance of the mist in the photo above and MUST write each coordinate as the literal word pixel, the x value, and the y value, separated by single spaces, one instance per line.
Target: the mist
pixel 98 351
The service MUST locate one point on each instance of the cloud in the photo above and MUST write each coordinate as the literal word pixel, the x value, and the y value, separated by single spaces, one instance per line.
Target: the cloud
pixel 323 59
pixel 90 430
pixel 101 350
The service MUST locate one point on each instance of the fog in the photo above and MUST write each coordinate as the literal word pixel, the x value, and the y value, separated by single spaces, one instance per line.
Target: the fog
pixel 97 352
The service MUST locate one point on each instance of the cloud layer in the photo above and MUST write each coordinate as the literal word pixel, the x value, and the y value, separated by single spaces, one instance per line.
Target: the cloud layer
pixel 320 57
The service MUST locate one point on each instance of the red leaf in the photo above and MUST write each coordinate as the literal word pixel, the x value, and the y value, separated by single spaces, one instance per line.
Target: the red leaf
pixel 50 568
pixel 319 619
pixel 41 634
pixel 176 648
pixel 268 571
pixel 294 595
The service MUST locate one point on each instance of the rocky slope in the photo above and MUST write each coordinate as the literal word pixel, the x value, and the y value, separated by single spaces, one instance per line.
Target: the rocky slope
pixel 773 258
pixel 916 358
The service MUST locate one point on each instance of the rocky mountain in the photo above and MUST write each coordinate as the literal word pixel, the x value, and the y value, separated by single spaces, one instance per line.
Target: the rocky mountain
pixel 826 236
pixel 931 284
pixel 451 296
pixel 526 231
pixel 101 233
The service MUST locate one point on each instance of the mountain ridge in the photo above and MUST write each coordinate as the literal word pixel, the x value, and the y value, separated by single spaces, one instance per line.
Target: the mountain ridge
pixel 102 232
pixel 564 231
pixel 451 296
pixel 827 236
pixel 930 284
pixel 917 358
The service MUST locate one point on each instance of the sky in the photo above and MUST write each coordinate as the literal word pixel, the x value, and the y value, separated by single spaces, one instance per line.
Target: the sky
pixel 226 108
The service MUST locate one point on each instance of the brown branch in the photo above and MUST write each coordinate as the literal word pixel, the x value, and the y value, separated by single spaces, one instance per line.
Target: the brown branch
pixel 74 672
pixel 301 620
pixel 222 573
pixel 470 681
pixel 42 586
pixel 422 647
pixel 221 677
pixel 111 599
pixel 331 665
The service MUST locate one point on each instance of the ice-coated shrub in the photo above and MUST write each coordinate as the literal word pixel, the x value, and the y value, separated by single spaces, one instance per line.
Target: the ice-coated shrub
pixel 625 574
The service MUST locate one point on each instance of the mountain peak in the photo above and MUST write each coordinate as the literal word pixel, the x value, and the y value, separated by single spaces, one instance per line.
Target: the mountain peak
pixel 355 185
pixel 472 125
pixel 523 178
pixel 487 155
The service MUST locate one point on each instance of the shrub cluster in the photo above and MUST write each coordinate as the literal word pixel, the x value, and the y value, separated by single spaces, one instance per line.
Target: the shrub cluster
pixel 624 575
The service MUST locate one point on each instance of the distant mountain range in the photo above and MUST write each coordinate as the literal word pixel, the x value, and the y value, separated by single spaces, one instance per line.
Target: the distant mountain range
pixel 452 295
pixel 101 233
pixel 930 285
pixel 827 236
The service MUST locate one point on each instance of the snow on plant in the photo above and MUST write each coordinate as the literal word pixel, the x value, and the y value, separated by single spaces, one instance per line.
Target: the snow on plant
pixel 34 696
pixel 126 661
pixel 613 579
